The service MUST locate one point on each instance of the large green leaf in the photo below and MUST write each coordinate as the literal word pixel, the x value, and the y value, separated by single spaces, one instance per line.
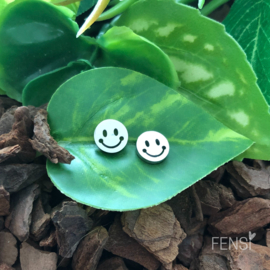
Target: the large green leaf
pixel 120 47
pixel 36 38
pixel 211 66
pixel 40 90
pixel 198 143
pixel 248 23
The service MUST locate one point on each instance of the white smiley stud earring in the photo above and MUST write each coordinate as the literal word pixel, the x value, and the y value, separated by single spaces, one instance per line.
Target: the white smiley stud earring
pixel 152 147
pixel 111 136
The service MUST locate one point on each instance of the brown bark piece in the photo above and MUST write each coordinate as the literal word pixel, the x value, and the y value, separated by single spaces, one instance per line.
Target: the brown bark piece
pixel 33 259
pixel 89 251
pixel 71 223
pixel 187 209
pixel 49 241
pixel 268 237
pixel 217 174
pixel 179 267
pixel 249 256
pixel 19 220
pixel 156 229
pixel 4 202
pixel 241 218
pixel 236 256
pixel 248 181
pixel 6 122
pixel 34 110
pixel 22 130
pixel 189 249
pixel 120 244
pixel 8 152
pixel 40 221
pixel 15 177
pixel 212 257
pixel 214 196
pixel 4 266
pixel 8 248
pixel 114 263
pixel 45 144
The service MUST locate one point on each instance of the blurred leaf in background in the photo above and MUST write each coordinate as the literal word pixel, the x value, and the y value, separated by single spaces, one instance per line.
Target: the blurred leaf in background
pixel 121 47
pixel 248 23
pixel 36 38
pixel 212 67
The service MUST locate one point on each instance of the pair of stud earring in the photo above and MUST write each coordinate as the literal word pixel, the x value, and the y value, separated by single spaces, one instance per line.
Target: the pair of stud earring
pixel 111 136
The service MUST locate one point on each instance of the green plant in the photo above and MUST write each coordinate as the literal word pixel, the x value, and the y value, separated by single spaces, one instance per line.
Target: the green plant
pixel 37 38
pixel 252 32
pixel 201 92
pixel 123 181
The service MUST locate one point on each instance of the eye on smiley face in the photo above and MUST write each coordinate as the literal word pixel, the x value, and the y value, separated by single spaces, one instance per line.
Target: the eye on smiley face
pixel 111 136
pixel 152 147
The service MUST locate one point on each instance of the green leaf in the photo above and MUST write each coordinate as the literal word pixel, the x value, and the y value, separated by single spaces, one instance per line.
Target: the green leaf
pixel 120 47
pixel 248 23
pixel 36 38
pixel 85 5
pixel 211 66
pixel 198 143
pixel 74 7
pixel 3 3
pixel 40 90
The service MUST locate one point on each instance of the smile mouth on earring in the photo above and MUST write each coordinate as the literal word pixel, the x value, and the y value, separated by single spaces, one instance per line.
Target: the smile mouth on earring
pixel 163 149
pixel 121 139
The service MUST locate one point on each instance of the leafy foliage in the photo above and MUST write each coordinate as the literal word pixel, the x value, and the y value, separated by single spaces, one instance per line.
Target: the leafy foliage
pixel 211 66
pixel 248 23
pixel 35 38
pixel 41 89
pixel 120 47
pixel 123 181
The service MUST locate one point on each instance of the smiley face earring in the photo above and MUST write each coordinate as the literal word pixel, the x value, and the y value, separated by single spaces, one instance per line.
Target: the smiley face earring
pixel 152 147
pixel 111 136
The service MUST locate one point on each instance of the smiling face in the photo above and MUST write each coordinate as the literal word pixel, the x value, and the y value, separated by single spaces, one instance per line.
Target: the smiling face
pixel 111 136
pixel 152 146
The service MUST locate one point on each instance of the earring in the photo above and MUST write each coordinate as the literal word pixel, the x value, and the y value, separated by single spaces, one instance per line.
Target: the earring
pixel 111 136
pixel 152 147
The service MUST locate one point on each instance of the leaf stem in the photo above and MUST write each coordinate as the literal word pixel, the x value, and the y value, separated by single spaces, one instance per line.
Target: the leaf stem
pixel 213 5
pixel 115 10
